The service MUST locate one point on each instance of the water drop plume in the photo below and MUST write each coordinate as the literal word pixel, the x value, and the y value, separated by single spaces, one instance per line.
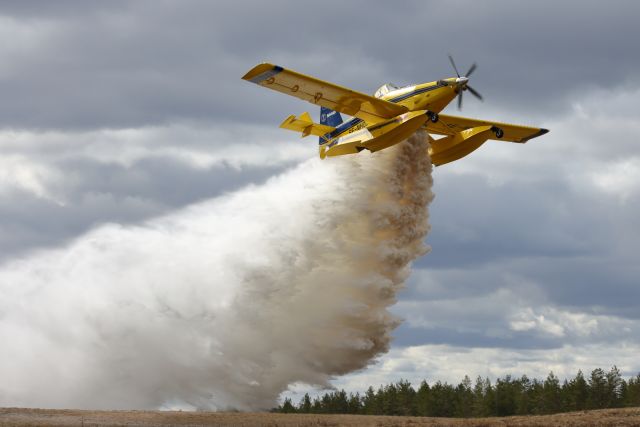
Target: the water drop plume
pixel 226 303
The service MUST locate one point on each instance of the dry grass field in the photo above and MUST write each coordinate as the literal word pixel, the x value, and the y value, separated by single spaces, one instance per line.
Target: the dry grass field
pixel 50 417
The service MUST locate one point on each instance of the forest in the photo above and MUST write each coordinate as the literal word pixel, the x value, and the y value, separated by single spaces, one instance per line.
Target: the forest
pixel 508 396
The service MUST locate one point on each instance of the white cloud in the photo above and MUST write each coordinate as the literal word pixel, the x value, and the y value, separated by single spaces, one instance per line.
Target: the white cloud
pixel 199 145
pixel 451 363
pixel 621 178
pixel 565 323
pixel 57 184
pixel 599 132
pixel 19 173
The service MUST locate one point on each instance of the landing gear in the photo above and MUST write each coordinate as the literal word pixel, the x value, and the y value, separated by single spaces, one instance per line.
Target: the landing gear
pixel 499 132
pixel 433 116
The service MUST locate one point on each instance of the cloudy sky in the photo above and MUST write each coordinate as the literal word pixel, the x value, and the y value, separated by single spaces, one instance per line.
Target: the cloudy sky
pixel 120 112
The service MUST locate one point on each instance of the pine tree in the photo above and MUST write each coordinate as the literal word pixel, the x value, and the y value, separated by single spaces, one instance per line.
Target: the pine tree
pixel 422 400
pixel 316 408
pixel 326 404
pixel 441 398
pixel 579 392
pixel 614 387
pixel 490 406
pixel 479 409
pixel 536 397
pixel 633 391
pixel 287 407
pixel 506 391
pixel 390 400
pixel 551 392
pixel 305 404
pixel 340 403
pixel 370 402
pixel 464 398
pixel 624 391
pixel 406 397
pixel 355 403
pixel 524 404
pixel 598 395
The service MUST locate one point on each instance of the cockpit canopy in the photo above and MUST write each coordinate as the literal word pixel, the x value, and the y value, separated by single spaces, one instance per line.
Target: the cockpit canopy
pixel 385 89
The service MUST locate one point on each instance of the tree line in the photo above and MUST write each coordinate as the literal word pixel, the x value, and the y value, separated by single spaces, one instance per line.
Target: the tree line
pixel 508 396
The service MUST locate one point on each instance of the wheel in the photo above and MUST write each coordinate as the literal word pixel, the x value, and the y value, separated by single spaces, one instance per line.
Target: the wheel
pixel 433 117
pixel 499 132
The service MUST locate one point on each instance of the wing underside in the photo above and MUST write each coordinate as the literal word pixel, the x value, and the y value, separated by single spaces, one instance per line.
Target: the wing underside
pixel 450 125
pixel 319 92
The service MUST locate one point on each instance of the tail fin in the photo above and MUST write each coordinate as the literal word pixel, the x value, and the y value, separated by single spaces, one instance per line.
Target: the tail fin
pixel 330 118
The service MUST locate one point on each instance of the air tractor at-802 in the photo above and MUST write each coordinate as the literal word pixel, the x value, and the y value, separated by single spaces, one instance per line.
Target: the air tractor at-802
pixel 391 115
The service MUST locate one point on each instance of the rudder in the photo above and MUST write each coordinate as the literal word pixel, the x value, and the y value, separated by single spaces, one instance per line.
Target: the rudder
pixel 330 118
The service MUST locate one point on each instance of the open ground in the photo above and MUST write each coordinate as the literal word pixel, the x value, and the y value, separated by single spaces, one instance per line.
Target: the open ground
pixel 86 418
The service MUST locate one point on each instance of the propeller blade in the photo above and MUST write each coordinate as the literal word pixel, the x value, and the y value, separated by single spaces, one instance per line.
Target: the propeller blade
pixel 454 65
pixel 460 100
pixel 475 93
pixel 471 69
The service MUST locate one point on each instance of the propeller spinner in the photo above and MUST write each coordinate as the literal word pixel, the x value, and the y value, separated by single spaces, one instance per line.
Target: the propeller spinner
pixel 462 83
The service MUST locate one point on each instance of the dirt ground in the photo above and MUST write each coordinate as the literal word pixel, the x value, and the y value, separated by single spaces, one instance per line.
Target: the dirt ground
pixel 64 417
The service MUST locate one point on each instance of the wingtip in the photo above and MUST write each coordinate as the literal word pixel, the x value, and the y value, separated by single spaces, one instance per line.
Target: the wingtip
pixel 541 132
pixel 262 68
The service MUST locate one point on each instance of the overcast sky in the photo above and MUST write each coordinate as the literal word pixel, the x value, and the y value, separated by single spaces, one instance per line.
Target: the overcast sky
pixel 118 112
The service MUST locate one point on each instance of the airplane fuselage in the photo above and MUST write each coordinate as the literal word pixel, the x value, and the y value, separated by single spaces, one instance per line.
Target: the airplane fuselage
pixel 432 96
pixel 423 101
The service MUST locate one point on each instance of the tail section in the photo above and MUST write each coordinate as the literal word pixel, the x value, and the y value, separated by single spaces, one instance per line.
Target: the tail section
pixel 329 118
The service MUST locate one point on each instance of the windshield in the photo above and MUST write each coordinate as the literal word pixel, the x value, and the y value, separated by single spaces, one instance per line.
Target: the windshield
pixel 385 89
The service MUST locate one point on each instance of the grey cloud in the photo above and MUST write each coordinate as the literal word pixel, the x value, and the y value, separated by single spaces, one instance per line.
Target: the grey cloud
pixel 604 282
pixel 96 193
pixel 160 179
pixel 475 222
pixel 133 64
pixel 536 243
pixel 528 304
pixel 561 247
pixel 406 336
pixel 62 9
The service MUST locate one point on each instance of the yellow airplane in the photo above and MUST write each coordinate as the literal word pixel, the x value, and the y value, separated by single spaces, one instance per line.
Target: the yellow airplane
pixel 390 116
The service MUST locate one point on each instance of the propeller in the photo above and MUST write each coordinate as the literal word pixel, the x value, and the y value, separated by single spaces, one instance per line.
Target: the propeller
pixel 463 82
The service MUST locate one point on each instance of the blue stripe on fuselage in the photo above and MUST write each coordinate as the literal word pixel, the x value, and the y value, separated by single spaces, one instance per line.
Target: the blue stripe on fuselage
pixel 342 128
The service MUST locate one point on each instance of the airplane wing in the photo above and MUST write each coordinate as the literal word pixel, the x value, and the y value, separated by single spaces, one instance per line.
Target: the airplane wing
pixel 449 125
pixel 366 107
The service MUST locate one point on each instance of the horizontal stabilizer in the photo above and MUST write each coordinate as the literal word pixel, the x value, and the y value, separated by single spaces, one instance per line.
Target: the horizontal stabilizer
pixel 305 124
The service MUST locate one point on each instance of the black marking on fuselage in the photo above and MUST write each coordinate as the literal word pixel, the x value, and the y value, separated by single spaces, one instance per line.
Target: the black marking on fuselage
pixel 416 92
pixel 380 125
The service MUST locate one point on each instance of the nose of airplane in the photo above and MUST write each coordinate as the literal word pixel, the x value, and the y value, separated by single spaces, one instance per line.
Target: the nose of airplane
pixel 461 81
